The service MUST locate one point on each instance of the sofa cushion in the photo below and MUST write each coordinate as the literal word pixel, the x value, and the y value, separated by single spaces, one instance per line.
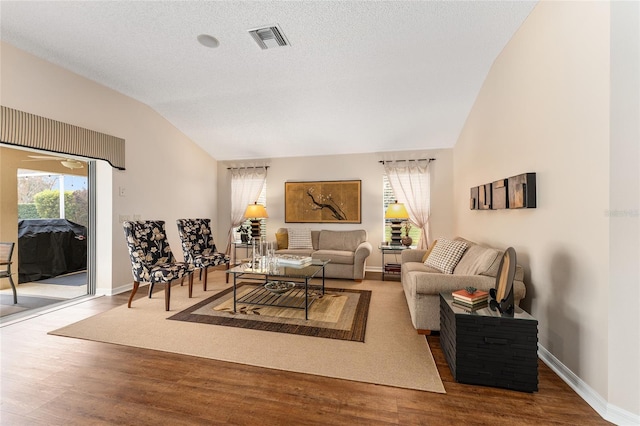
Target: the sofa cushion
pixel 282 238
pixel 445 255
pixel 300 238
pixel 335 256
pixel 296 252
pixel 341 240
pixel 476 260
pixel 420 267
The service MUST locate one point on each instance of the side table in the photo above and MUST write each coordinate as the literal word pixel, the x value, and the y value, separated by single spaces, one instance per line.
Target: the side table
pixel 240 244
pixel 483 347
pixel 391 268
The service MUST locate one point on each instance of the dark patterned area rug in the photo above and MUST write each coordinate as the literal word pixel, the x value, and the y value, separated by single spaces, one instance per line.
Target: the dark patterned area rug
pixel 338 314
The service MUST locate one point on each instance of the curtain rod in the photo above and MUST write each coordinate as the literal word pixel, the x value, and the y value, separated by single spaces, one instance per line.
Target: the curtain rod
pixel 242 168
pixel 396 161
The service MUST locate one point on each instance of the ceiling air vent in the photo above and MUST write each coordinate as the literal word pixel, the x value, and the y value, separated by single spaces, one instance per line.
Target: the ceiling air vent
pixel 269 37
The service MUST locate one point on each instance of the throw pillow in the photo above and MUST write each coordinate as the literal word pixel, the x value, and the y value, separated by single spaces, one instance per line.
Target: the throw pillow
pixel 445 255
pixel 300 238
pixel 282 238
pixel 424 258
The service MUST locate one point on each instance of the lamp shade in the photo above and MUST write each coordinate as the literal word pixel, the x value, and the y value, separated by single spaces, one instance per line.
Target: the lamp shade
pixel 396 211
pixel 255 211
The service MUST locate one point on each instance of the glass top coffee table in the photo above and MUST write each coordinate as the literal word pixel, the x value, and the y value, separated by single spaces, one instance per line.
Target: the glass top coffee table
pixel 296 298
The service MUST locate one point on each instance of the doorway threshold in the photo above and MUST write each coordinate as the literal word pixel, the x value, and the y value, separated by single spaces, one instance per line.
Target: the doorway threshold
pixel 32 313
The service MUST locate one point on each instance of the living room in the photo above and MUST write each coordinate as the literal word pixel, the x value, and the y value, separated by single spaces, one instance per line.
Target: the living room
pixel 558 101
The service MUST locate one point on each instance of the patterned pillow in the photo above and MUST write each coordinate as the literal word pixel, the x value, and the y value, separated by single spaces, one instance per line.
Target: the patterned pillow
pixel 300 238
pixel 445 255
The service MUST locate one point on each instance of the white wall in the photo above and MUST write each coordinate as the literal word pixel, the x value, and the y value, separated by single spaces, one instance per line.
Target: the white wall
pixel 544 108
pixel 167 176
pixel 624 219
pixel 364 167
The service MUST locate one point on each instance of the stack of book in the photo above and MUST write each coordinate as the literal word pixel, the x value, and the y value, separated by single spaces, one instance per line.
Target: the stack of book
pixel 392 267
pixel 476 300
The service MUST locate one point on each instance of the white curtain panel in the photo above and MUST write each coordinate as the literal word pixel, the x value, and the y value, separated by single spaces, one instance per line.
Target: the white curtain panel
pixel 246 186
pixel 411 184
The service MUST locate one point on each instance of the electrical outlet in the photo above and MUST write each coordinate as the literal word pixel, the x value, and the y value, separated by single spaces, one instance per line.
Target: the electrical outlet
pixel 136 217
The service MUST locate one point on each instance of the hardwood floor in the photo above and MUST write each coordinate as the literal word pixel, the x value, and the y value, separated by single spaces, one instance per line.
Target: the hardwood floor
pixel 52 380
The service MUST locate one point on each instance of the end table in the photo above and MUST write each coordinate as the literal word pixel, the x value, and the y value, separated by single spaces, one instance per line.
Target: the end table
pixel 391 268
pixel 483 347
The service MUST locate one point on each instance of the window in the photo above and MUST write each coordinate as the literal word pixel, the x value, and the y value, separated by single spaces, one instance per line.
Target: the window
pixel 262 199
pixel 388 197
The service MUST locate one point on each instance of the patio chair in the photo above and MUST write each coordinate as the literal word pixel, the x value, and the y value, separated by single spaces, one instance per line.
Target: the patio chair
pixel 6 251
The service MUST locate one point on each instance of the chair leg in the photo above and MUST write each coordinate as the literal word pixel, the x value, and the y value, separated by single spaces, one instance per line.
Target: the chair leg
pixel 227 275
pixel 204 282
pixel 167 295
pixel 150 289
pixel 13 287
pixel 190 285
pixel 136 284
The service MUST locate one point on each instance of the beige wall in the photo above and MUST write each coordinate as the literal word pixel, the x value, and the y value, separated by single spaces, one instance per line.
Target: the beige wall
pixel 167 175
pixel 544 108
pixel 364 167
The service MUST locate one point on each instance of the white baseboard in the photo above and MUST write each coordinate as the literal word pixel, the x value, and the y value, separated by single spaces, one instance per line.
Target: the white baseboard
pixel 118 290
pixel 607 411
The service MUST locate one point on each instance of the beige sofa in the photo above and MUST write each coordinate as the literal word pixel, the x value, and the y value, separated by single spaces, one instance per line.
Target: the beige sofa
pixel 422 285
pixel 347 252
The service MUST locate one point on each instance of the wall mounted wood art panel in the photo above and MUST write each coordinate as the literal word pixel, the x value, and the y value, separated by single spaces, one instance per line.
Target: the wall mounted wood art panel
pixel 322 202
pixel 522 191
pixel 516 192
pixel 499 194
pixel 485 197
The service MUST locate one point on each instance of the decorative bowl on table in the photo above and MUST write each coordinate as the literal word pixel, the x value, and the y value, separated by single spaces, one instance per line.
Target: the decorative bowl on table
pixel 279 287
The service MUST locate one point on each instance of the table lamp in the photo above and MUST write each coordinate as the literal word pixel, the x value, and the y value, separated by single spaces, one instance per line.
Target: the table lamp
pixel 395 214
pixel 255 212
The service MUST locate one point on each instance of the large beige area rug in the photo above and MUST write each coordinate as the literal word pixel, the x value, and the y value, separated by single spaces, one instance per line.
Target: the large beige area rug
pixel 393 353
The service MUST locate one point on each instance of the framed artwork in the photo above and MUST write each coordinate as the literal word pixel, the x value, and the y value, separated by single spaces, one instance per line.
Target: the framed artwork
pixel 333 201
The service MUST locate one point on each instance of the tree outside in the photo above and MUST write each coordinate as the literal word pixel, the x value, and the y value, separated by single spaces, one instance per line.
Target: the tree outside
pixel 37 200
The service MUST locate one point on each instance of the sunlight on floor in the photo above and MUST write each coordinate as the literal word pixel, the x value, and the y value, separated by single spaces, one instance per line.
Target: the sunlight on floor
pixel 33 296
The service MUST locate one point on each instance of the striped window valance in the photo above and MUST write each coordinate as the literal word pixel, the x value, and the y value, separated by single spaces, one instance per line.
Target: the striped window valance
pixel 23 129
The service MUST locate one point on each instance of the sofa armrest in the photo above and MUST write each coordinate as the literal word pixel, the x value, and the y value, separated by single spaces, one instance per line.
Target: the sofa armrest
pixel 362 252
pixel 360 259
pixel 412 255
pixel 434 283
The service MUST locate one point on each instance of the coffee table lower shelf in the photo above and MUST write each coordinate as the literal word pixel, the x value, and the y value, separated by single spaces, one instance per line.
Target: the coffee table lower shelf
pixel 295 298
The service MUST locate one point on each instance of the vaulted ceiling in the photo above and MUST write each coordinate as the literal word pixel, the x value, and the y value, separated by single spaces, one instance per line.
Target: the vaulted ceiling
pixel 358 76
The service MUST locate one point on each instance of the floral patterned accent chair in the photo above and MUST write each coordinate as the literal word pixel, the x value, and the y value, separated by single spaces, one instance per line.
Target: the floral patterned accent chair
pixel 198 246
pixel 151 258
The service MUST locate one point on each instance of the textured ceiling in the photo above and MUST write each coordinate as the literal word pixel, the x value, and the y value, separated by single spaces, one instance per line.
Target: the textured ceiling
pixel 359 76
